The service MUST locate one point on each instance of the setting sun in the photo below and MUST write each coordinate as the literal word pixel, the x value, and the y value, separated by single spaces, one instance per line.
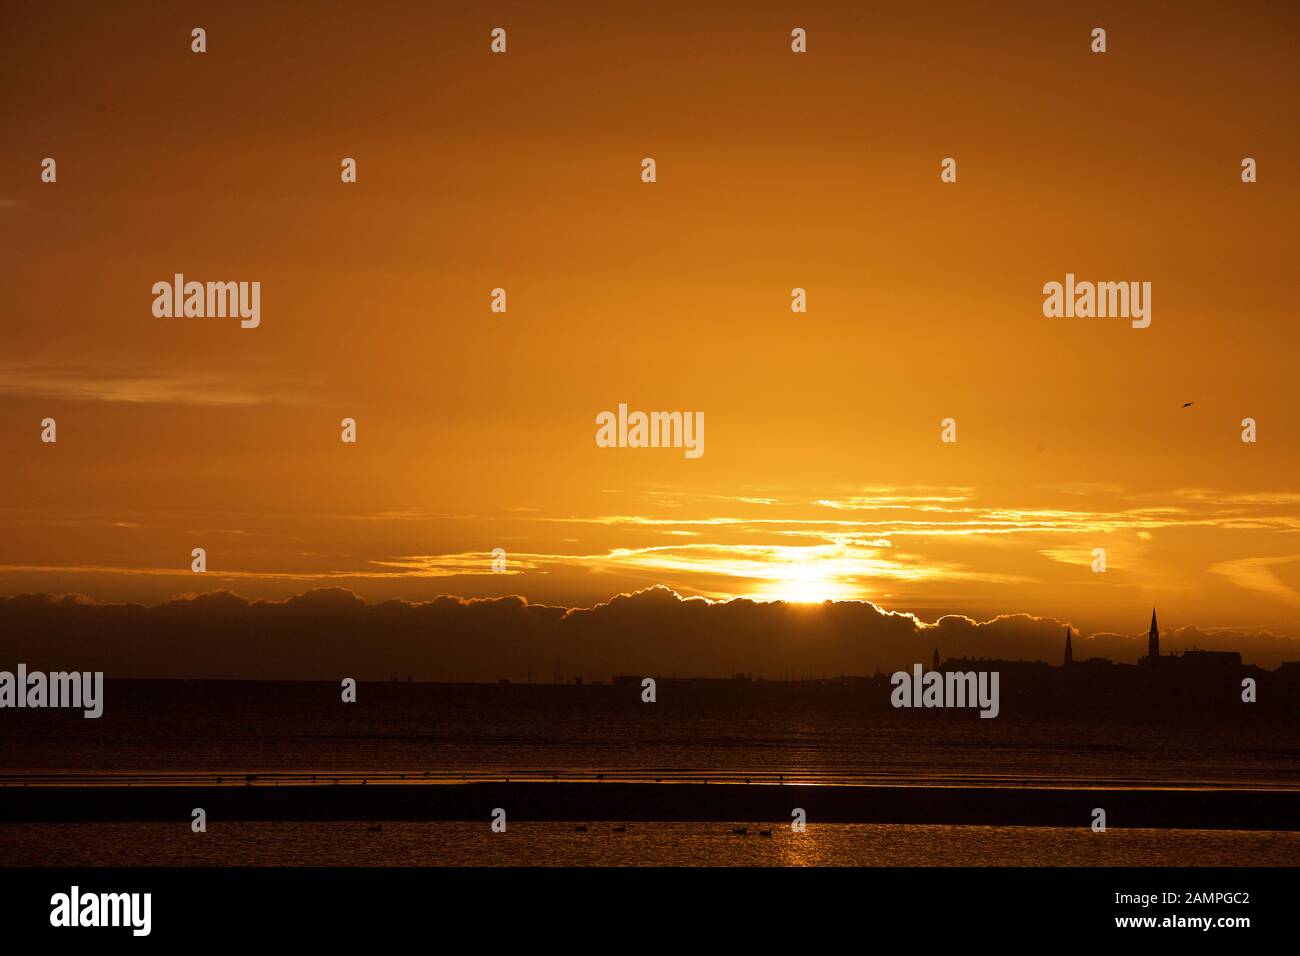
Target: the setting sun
pixel 804 585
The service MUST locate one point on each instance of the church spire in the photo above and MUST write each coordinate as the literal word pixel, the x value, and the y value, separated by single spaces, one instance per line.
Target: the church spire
pixel 1069 652
pixel 1153 638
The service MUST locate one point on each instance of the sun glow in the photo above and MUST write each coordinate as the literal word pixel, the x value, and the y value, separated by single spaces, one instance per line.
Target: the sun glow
pixel 804 585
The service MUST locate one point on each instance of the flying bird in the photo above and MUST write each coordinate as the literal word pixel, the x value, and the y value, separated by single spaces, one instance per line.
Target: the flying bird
pixel 1188 404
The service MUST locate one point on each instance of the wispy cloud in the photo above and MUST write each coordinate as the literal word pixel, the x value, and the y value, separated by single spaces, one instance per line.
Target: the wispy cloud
pixel 87 384
pixel 1256 574
pixel 865 546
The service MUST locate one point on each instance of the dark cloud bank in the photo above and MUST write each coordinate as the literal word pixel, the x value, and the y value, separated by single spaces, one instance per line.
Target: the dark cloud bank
pixel 325 633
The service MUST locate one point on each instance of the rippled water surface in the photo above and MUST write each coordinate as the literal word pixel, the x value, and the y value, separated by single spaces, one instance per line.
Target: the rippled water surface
pixel 248 727
pixel 643 844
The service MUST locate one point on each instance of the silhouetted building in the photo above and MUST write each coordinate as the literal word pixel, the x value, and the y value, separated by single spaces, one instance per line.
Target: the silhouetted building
pixel 1288 675
pixel 1038 670
pixel 1202 662
pixel 1186 681
pixel 1153 643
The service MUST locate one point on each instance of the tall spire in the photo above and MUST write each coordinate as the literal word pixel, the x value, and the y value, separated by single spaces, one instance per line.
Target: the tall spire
pixel 1069 652
pixel 1153 638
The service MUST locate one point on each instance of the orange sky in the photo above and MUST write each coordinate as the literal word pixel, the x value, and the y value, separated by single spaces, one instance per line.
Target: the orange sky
pixel 823 474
